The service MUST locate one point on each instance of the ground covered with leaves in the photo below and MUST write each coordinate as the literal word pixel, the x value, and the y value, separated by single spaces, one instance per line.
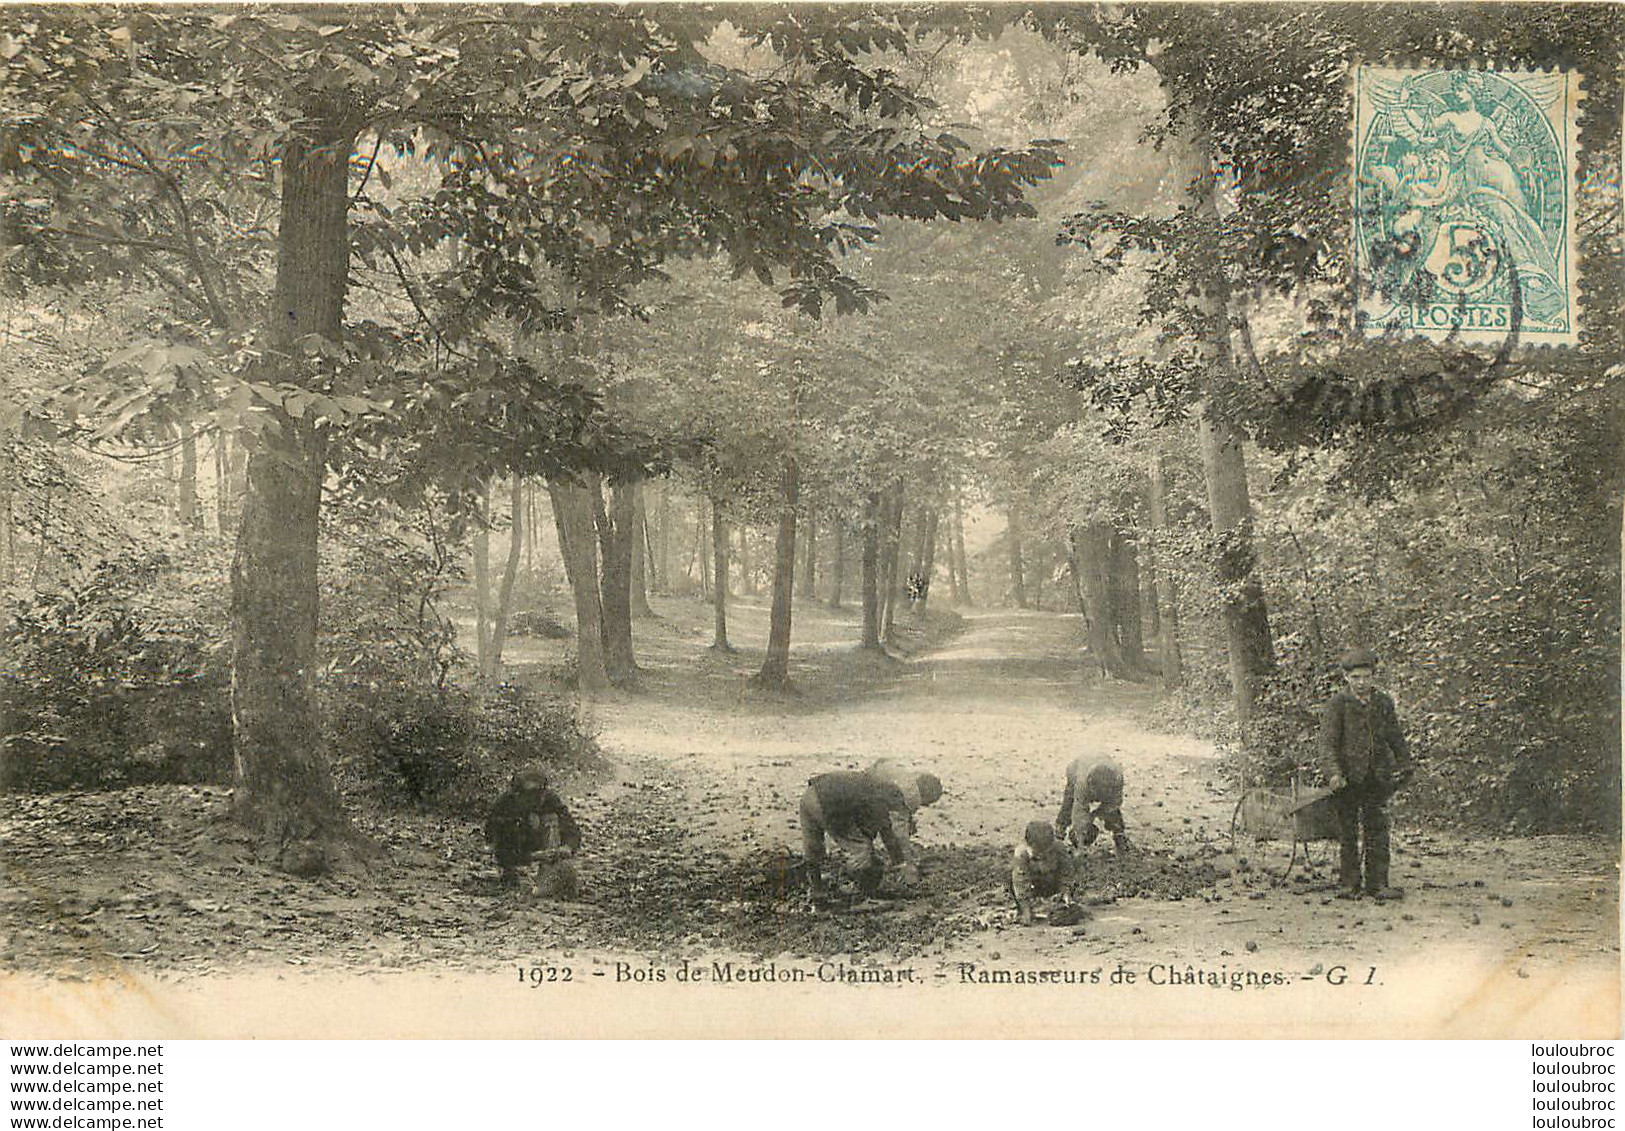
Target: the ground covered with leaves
pixel 692 847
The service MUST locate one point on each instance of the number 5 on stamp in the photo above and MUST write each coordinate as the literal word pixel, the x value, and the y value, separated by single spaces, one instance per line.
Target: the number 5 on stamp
pixel 1464 204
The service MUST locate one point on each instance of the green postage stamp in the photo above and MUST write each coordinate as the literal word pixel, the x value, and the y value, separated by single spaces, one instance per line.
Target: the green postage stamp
pixel 1464 204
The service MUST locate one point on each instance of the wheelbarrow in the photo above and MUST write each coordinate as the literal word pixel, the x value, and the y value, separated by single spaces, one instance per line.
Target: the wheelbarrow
pixel 1299 815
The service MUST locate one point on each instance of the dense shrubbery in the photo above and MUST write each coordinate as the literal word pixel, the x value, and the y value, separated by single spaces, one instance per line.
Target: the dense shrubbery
pixel 451 750
pixel 401 729
pixel 1488 584
pixel 119 677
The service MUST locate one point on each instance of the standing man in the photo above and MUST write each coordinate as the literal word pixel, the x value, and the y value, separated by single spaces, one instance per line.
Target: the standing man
pixel 1365 759
pixel 854 808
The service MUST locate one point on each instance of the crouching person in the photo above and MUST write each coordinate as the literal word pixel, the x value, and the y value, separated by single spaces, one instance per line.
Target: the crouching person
pixel 1096 783
pixel 1041 868
pixel 853 809
pixel 530 824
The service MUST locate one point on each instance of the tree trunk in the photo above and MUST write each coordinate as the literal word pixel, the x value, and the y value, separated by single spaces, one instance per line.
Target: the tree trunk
pixel 482 584
pixel 618 545
pixel 702 549
pixel 1091 546
pixel 1246 620
pixel 747 573
pixel 640 544
pixel 187 509
pixel 1018 579
pixel 8 518
pixel 775 673
pixel 516 543
pixel 1162 579
pixel 283 782
pixel 663 573
pixel 956 591
pixel 237 473
pixel 222 521
pixel 719 552
pixel 1075 570
pixel 809 559
pixel 838 565
pixel 959 550
pixel 873 516
pixel 893 551
pixel 1125 597
pixel 530 530
pixel 572 522
pixel 928 556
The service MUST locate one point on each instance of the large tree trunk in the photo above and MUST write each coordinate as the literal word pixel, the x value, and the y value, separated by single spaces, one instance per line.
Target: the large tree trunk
pixel 618 546
pixel 775 673
pixel 283 782
pixel 1018 572
pixel 640 546
pixel 719 552
pixel 838 565
pixel 873 516
pixel 510 571
pixel 892 552
pixel 573 523
pixel 1125 596
pixel 1246 620
pixel 482 584
pixel 1162 579
pixel 1091 547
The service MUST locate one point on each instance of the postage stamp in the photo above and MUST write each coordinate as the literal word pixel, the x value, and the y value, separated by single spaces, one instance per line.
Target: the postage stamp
pixel 1464 193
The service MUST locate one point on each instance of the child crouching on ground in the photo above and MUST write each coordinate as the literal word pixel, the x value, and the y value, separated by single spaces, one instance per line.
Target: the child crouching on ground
pixel 1042 867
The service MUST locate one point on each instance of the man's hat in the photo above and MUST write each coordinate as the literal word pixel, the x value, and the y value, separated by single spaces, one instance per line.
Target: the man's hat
pixel 1358 658
pixel 529 778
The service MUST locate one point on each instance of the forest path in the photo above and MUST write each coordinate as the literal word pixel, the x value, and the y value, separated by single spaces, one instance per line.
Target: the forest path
pixel 692 852
pixel 997 713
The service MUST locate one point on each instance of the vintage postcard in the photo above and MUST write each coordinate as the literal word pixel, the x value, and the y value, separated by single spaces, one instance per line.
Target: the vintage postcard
pixel 550 521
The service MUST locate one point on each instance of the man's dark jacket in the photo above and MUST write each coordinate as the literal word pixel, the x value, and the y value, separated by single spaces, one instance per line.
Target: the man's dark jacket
pixel 1362 740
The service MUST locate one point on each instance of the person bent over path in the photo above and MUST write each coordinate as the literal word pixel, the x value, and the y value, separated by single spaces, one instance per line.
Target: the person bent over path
pixel 1364 757
pixel 1096 782
pixel 529 820
pixel 853 808
pixel 1041 867
pixel 918 790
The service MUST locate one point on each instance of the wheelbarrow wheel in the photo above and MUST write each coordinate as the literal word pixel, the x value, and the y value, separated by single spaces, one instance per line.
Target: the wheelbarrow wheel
pixel 1264 854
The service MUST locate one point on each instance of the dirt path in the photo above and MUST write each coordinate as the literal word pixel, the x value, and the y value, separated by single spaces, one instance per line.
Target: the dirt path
pixel 998 713
pixel 692 851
